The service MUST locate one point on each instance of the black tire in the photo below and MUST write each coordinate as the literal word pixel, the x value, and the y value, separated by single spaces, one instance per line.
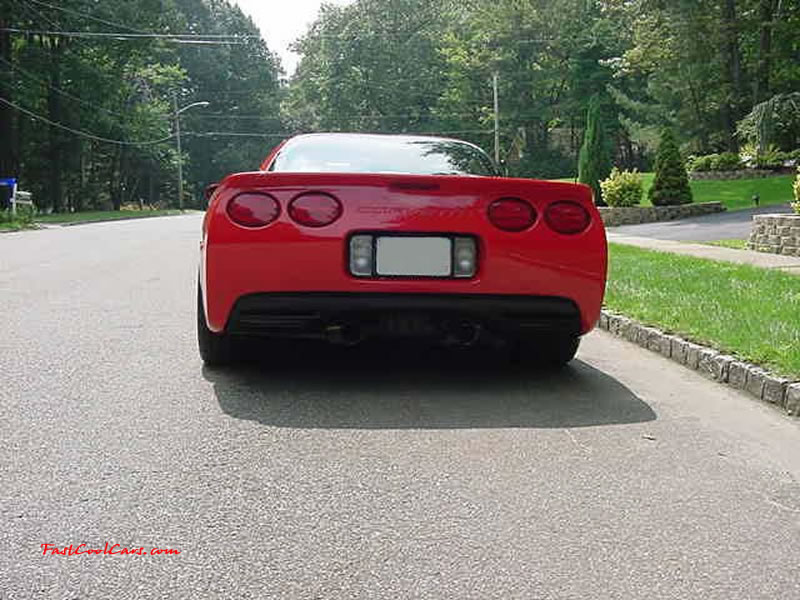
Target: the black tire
pixel 552 351
pixel 216 349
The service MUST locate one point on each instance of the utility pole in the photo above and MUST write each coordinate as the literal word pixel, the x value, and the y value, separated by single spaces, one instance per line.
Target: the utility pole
pixel 496 121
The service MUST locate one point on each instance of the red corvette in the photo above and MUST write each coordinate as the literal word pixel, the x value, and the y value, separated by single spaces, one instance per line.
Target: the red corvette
pixel 348 237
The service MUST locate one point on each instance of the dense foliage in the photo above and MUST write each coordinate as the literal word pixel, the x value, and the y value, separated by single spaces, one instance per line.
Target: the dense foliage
pixel 796 203
pixel 622 188
pixel 87 122
pixel 92 120
pixel 671 184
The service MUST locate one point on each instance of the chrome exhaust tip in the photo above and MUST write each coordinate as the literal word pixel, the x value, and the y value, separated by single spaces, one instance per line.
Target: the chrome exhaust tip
pixel 462 333
pixel 344 334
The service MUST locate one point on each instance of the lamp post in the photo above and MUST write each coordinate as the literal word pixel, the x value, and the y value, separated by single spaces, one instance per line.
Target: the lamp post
pixel 178 139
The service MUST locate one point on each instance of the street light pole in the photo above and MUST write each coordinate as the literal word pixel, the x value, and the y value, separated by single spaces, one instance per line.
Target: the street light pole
pixel 178 142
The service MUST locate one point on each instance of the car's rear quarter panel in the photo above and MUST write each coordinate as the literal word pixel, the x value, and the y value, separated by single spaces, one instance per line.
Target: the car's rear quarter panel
pixel 286 257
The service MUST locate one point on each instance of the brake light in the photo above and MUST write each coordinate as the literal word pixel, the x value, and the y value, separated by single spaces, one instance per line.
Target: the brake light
pixel 253 210
pixel 315 209
pixel 511 214
pixel 567 217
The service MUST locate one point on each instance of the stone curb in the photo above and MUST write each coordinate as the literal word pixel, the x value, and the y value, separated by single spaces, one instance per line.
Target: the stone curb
pixel 755 381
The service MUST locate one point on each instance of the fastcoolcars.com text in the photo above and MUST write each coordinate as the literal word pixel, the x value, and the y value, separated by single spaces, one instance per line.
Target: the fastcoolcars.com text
pixel 108 549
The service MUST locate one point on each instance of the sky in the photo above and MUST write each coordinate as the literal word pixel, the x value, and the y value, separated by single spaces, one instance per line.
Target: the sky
pixel 283 21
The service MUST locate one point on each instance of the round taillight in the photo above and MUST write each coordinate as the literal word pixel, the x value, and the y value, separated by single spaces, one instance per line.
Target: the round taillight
pixel 511 214
pixel 253 210
pixel 567 217
pixel 315 210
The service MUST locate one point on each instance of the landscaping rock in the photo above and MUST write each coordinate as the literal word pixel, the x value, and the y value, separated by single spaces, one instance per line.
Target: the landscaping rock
pixel 713 365
pixel 693 355
pixel 737 374
pixel 755 381
pixel 792 403
pixel 655 340
pixel 665 345
pixel 775 389
pixel 622 326
pixel 678 350
pixel 632 334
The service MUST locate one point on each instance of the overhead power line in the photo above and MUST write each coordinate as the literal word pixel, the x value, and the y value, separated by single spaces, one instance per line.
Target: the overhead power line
pixel 85 134
pixel 289 134
pixel 178 38
pixel 86 16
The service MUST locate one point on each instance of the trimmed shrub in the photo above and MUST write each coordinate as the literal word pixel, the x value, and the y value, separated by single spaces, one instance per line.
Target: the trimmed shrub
pixel 700 163
pixel 796 203
pixel 594 162
pixel 727 161
pixel 622 188
pixel 671 184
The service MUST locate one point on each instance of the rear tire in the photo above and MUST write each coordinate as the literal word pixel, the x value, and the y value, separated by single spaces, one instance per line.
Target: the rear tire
pixel 552 352
pixel 215 348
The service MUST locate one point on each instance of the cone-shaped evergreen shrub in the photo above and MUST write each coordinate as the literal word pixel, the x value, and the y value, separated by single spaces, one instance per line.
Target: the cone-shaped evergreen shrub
pixel 671 184
pixel 594 161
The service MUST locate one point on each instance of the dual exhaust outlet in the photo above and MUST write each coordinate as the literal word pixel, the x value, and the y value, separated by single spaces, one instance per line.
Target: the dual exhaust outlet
pixel 458 333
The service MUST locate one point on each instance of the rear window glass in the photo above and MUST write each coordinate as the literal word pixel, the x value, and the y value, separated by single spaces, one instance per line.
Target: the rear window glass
pixel 365 154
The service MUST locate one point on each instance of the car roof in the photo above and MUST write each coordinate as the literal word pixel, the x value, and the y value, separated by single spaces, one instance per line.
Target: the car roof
pixel 400 137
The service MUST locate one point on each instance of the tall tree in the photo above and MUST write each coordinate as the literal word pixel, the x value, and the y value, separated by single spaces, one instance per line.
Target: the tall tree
pixel 8 148
pixel 594 163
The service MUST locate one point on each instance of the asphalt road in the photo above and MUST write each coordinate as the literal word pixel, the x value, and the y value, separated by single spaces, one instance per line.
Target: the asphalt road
pixel 731 225
pixel 364 474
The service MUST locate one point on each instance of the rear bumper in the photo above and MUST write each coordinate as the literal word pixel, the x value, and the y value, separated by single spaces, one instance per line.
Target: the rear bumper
pixel 311 314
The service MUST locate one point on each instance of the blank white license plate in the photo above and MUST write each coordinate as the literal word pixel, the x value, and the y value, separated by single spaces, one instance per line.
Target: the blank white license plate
pixel 421 256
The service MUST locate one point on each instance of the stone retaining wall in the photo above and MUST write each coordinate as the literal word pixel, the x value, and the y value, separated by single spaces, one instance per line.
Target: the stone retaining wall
pixel 633 215
pixel 778 234
pixel 739 174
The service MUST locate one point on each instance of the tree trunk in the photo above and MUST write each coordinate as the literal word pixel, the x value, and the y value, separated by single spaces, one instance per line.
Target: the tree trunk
pixel 9 153
pixel 115 176
pixel 733 63
pixel 56 139
pixel 762 91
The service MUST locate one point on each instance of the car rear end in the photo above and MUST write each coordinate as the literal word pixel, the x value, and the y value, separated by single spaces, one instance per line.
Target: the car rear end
pixel 350 256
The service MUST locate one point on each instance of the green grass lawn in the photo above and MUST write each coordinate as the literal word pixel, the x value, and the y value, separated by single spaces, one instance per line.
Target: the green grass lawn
pixel 742 310
pixel 735 244
pixel 735 194
pixel 102 215
pixel 14 226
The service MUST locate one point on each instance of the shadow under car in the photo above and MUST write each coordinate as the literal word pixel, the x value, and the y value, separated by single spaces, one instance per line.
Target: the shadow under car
pixel 381 386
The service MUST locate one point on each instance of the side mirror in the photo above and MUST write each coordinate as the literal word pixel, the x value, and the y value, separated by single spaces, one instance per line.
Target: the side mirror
pixel 209 192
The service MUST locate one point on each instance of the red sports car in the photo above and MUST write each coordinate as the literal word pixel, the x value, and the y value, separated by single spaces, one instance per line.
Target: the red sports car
pixel 348 237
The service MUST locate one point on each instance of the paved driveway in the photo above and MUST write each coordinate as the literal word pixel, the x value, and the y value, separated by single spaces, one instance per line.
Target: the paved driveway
pixel 363 474
pixel 720 226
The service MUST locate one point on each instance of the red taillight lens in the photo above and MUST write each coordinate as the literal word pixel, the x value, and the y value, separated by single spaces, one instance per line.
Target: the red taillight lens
pixel 567 217
pixel 511 214
pixel 253 210
pixel 315 210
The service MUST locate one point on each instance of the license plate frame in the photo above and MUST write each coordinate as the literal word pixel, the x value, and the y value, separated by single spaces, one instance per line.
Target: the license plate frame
pixel 413 256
